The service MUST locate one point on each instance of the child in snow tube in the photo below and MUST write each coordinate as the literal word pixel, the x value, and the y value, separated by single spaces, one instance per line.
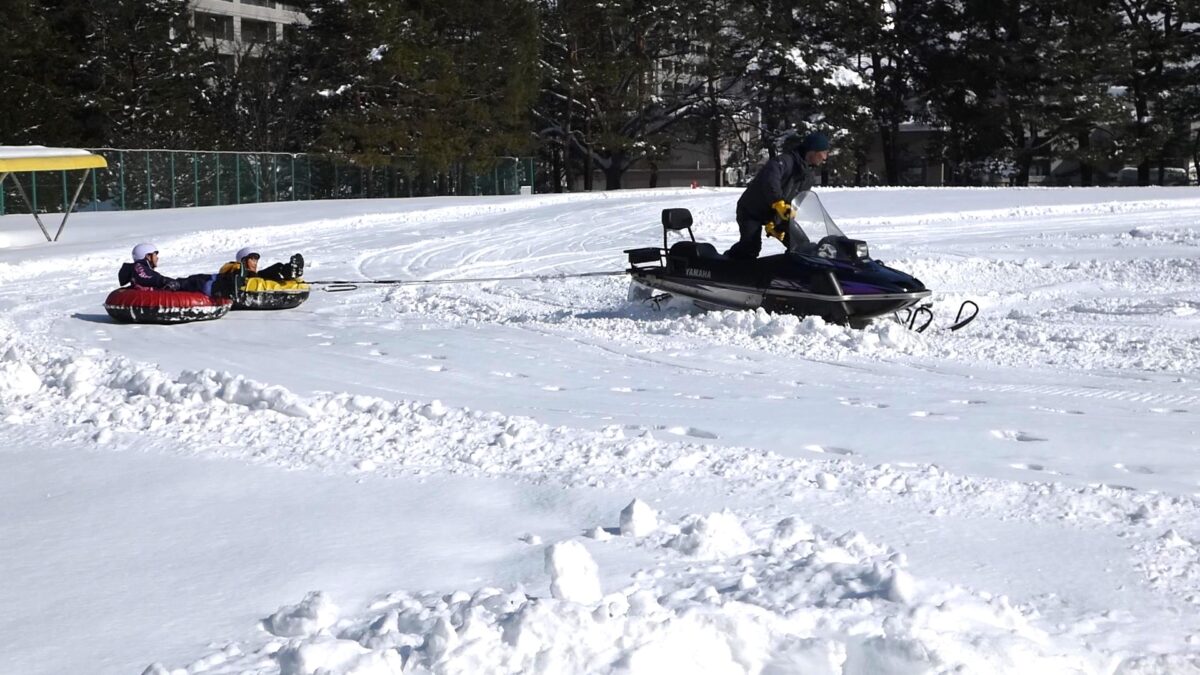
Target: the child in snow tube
pixel 149 297
pixel 279 286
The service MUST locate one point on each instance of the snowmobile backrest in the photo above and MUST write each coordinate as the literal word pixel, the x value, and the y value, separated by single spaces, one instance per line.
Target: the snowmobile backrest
pixel 676 219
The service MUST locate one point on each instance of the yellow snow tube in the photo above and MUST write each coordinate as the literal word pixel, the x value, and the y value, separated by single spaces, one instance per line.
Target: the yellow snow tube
pixel 270 294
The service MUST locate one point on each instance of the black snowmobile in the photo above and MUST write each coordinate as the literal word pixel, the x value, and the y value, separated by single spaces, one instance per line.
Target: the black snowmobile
pixel 827 274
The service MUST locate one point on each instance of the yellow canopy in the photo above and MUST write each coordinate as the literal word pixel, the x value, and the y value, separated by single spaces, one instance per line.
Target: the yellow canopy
pixel 16 159
pixel 40 158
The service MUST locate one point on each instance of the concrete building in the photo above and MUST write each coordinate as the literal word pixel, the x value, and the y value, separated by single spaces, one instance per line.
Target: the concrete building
pixel 235 26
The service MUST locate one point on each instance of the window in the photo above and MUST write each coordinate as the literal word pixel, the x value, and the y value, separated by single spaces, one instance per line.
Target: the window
pixel 214 26
pixel 260 3
pixel 257 31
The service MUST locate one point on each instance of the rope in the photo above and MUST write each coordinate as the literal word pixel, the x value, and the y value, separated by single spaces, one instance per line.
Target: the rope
pixel 335 286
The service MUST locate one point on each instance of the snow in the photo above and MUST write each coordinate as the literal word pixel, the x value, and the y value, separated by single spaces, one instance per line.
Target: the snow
pixel 638 519
pixel 573 574
pixel 23 151
pixel 429 478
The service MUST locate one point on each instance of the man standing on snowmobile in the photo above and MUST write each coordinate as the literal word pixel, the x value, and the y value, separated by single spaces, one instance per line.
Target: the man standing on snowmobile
pixel 767 201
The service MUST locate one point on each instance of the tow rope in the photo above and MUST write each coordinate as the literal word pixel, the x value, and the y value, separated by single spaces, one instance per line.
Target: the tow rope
pixel 336 286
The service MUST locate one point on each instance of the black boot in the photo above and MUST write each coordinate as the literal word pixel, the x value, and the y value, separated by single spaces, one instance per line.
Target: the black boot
pixel 297 266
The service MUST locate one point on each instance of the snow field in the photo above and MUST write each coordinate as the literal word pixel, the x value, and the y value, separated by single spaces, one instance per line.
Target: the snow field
pixel 802 492
pixel 104 398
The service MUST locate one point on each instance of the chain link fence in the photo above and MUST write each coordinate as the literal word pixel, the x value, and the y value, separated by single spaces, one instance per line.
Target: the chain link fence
pixel 162 179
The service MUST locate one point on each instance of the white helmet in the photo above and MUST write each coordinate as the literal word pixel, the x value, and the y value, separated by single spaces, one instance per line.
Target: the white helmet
pixel 246 251
pixel 142 250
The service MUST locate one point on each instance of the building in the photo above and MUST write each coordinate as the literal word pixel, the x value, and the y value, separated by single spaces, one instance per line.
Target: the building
pixel 235 26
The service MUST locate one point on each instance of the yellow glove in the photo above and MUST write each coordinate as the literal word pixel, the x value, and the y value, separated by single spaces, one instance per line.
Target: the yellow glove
pixel 777 230
pixel 784 210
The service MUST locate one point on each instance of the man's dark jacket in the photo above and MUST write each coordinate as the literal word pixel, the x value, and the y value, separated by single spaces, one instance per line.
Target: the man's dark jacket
pixel 782 177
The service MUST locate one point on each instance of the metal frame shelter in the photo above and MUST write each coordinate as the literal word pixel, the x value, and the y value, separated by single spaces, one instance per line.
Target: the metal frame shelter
pixel 16 159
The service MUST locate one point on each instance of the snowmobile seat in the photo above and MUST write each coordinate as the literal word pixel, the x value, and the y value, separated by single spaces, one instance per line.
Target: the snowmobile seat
pixel 692 249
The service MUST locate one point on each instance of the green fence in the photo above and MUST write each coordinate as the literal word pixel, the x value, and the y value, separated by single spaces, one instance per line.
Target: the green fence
pixel 162 179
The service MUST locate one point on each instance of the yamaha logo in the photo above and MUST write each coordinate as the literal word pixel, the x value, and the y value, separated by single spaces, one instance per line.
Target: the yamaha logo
pixel 703 274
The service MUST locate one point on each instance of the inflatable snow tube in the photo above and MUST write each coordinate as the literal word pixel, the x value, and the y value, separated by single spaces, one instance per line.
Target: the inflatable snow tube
pixel 147 305
pixel 267 294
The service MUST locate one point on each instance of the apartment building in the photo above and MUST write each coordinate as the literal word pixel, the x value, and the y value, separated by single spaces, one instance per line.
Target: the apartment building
pixel 236 25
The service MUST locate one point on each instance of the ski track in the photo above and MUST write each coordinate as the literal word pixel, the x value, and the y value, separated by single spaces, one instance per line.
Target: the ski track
pixel 1088 306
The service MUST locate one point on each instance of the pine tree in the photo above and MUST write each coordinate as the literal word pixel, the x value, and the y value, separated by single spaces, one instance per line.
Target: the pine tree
pixel 134 76
pixel 34 107
pixel 1159 41
pixel 436 81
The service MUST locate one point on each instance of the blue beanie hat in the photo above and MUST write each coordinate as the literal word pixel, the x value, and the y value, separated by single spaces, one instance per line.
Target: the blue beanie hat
pixel 816 141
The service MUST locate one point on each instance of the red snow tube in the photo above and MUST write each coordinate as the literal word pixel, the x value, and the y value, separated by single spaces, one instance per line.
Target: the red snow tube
pixel 148 305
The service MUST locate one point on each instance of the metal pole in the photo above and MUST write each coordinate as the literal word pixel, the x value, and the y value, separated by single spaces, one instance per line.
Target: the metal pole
pixel 33 174
pixel 336 179
pixel 293 178
pixel 275 176
pixel 122 161
pixel 149 184
pixel 237 172
pixel 217 155
pixel 172 179
pixel 2 177
pixel 64 186
pixel 308 162
pixel 95 193
pixel 21 191
pixel 72 206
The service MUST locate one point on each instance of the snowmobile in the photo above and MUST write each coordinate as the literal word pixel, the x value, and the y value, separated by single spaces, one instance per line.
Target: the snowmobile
pixel 823 273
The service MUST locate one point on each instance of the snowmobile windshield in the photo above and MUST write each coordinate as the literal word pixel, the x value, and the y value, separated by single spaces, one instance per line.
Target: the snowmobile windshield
pixel 812 217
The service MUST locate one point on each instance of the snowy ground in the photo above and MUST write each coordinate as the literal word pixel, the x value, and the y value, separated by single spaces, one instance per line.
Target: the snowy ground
pixel 445 467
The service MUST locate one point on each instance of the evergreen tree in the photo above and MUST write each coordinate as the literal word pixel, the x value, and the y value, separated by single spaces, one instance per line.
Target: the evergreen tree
pixel 436 81
pixel 1080 101
pixel 257 100
pixel 1159 41
pixel 135 74
pixel 34 107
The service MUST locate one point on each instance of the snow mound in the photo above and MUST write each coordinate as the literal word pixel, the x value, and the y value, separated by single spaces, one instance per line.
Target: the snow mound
pixel 18 379
pixel 574 576
pixel 331 655
pixel 807 601
pixel 309 617
pixel 638 519
pixel 716 535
